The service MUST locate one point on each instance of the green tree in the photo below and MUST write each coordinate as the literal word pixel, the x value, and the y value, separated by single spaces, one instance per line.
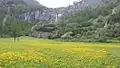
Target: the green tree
pixel 16 29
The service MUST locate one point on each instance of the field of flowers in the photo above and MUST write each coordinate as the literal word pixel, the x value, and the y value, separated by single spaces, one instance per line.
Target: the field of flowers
pixel 41 53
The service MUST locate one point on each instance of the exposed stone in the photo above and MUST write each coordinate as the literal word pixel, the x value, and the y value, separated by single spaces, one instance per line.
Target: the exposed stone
pixel 41 13
pixel 66 35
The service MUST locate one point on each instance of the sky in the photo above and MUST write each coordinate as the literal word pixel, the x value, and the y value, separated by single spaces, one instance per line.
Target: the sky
pixel 56 3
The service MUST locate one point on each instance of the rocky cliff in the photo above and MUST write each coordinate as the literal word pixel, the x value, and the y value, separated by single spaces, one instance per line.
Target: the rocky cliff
pixel 31 10
pixel 26 10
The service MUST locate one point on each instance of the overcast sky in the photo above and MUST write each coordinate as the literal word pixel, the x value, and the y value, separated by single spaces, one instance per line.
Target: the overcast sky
pixel 56 3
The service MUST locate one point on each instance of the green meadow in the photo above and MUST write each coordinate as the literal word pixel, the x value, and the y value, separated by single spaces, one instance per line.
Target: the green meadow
pixel 30 52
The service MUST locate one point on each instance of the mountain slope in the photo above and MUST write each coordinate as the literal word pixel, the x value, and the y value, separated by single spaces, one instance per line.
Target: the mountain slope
pixel 92 24
pixel 84 20
pixel 98 24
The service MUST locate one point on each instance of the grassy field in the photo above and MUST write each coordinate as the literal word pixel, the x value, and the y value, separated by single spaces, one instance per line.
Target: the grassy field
pixel 41 53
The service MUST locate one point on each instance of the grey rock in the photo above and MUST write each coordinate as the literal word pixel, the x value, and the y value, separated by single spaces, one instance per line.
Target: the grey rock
pixel 41 13
pixel 66 35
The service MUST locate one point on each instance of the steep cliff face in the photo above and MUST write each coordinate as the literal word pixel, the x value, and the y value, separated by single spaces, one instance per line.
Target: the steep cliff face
pixel 38 15
pixel 31 10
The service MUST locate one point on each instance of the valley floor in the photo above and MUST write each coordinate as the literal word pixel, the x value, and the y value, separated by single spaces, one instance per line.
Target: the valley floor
pixel 41 53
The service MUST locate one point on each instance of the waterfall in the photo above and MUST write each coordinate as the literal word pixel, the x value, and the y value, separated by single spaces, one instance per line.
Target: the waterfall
pixel 6 17
pixel 56 20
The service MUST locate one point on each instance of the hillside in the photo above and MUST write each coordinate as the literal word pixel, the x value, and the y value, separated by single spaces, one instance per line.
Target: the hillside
pixel 92 24
pixel 83 21
pixel 100 24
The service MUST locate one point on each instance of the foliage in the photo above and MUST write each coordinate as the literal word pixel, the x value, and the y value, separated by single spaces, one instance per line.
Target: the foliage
pixel 98 24
pixel 94 24
pixel 15 28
